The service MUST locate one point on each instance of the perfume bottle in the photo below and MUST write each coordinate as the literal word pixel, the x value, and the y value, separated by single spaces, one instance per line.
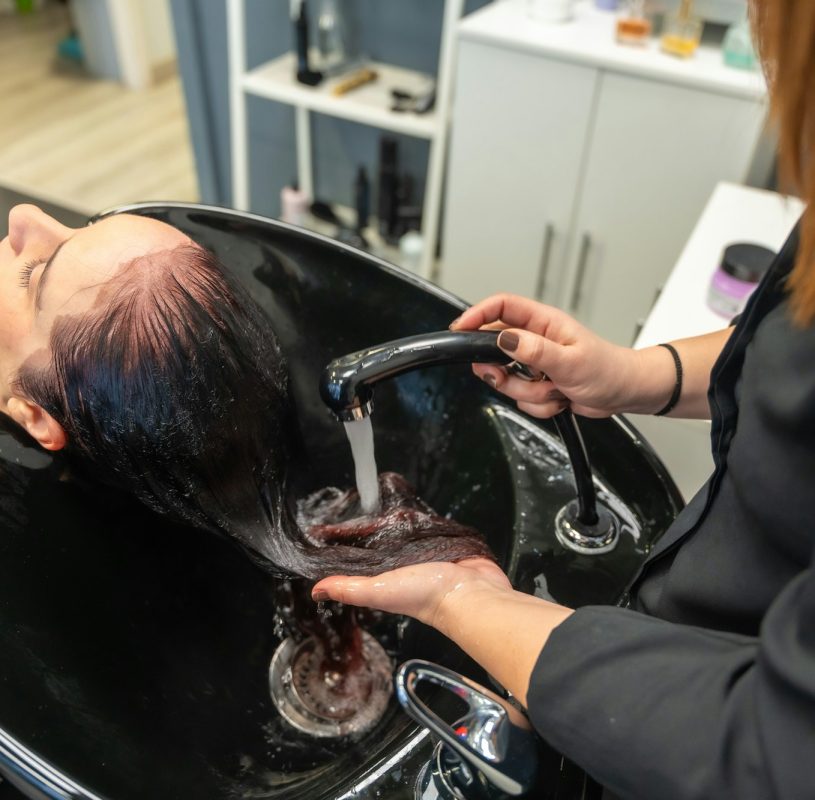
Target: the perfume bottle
pixel 682 32
pixel 737 47
pixel 633 27
pixel 331 38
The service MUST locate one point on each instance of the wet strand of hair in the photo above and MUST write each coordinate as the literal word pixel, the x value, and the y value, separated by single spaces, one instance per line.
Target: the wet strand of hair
pixel 404 531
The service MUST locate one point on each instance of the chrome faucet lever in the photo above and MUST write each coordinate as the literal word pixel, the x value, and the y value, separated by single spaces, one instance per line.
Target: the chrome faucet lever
pixel 489 753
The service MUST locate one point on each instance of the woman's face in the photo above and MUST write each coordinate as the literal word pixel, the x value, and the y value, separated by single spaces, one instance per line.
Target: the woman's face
pixel 48 270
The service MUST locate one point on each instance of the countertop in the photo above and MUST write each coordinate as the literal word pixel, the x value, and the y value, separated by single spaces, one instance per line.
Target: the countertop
pixel 733 214
pixel 589 39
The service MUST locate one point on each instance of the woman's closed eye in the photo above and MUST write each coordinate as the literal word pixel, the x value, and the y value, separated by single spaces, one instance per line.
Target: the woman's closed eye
pixel 27 270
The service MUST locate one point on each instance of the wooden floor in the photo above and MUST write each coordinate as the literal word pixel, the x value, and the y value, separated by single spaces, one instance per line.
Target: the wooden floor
pixel 80 143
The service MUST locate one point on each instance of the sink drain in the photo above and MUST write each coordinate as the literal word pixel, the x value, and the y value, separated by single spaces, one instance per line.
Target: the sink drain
pixel 327 703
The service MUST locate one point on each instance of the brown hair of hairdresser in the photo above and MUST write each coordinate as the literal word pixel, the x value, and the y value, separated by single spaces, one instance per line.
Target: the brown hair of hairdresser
pixel 785 33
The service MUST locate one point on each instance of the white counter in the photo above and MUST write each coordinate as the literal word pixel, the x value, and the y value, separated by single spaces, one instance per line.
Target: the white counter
pixel 589 39
pixel 733 214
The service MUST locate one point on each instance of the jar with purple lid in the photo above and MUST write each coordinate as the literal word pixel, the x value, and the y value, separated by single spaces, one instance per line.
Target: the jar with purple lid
pixel 607 5
pixel 742 267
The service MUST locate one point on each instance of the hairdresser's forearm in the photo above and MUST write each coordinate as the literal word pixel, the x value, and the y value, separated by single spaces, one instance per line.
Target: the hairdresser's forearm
pixel 503 630
pixel 657 375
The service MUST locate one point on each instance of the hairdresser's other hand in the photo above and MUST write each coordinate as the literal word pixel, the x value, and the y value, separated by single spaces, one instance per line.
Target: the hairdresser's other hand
pixel 471 603
pixel 584 372
pixel 423 591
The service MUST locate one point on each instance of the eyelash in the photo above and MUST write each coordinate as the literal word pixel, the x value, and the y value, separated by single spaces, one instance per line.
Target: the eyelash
pixel 25 272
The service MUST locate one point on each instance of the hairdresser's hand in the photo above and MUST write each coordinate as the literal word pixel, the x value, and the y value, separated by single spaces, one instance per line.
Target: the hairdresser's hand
pixel 471 603
pixel 426 592
pixel 590 375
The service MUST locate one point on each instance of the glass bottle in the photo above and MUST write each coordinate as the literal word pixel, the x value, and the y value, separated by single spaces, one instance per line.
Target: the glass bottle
pixel 682 32
pixel 633 27
pixel 331 37
pixel 737 47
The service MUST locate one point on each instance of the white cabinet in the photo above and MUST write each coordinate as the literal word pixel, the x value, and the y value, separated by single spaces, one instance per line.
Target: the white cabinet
pixel 579 167
pixel 657 151
pixel 514 169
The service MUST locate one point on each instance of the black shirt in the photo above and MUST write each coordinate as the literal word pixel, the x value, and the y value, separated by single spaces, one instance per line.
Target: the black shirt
pixel 711 692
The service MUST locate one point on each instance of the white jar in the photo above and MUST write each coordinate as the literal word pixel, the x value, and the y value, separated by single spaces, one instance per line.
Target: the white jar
pixel 551 10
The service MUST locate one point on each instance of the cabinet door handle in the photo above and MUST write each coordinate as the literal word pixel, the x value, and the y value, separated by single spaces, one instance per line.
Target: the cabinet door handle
pixel 657 293
pixel 641 322
pixel 585 247
pixel 546 252
pixel 637 331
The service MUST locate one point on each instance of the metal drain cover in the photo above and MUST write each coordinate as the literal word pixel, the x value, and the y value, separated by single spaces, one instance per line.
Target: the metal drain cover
pixel 329 704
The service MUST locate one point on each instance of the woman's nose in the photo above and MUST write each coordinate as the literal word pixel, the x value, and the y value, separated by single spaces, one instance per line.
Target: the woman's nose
pixel 29 227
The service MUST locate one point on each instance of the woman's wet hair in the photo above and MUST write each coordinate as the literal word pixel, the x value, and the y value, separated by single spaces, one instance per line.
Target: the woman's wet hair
pixel 173 387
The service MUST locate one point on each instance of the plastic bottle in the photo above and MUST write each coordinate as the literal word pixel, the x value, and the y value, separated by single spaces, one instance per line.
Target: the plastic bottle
pixel 411 247
pixel 362 198
pixel 737 47
pixel 293 205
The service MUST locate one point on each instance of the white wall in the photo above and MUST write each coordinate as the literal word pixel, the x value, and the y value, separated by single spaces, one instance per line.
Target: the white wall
pixel 125 39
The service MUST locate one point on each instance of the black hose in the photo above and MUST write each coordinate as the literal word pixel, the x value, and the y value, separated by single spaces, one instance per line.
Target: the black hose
pixel 569 432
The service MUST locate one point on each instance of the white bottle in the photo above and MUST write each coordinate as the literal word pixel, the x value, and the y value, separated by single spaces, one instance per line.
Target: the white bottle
pixel 551 10
pixel 293 205
pixel 411 247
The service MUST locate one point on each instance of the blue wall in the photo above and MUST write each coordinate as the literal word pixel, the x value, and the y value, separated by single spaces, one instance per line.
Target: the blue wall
pixel 402 32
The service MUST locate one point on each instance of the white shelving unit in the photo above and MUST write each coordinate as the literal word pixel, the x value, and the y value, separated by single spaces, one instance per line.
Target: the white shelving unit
pixel 369 105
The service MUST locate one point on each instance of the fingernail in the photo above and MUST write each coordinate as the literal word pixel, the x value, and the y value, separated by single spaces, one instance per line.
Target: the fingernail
pixel 454 323
pixel 490 379
pixel 319 595
pixel 508 341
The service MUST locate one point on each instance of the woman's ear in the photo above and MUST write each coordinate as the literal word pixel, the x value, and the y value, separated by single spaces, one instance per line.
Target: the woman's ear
pixel 38 423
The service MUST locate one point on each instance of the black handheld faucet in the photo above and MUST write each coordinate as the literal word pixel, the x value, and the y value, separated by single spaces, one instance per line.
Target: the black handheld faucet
pixel 346 387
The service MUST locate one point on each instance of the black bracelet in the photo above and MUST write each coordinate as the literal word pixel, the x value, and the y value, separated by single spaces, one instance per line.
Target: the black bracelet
pixel 678 387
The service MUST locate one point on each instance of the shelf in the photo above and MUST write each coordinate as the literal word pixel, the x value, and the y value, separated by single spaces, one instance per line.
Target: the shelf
pixel 378 246
pixel 368 105
pixel 733 214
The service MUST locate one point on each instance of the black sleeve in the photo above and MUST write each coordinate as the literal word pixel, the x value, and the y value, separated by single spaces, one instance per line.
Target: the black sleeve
pixel 652 709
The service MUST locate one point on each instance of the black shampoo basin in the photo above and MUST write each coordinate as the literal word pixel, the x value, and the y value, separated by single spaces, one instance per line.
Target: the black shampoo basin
pixel 134 654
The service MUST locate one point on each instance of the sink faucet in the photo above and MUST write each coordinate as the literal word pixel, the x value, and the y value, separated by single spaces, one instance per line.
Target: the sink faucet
pixel 346 387
pixel 490 754
pixel 347 383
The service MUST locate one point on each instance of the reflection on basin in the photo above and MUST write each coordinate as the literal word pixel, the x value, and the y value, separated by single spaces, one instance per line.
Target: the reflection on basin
pixel 134 654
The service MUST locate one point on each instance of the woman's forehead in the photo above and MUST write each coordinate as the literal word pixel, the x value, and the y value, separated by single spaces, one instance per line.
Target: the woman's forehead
pixel 95 255
pixel 130 230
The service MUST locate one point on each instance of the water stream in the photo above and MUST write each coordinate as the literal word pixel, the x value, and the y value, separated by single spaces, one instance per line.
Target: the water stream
pixel 361 437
